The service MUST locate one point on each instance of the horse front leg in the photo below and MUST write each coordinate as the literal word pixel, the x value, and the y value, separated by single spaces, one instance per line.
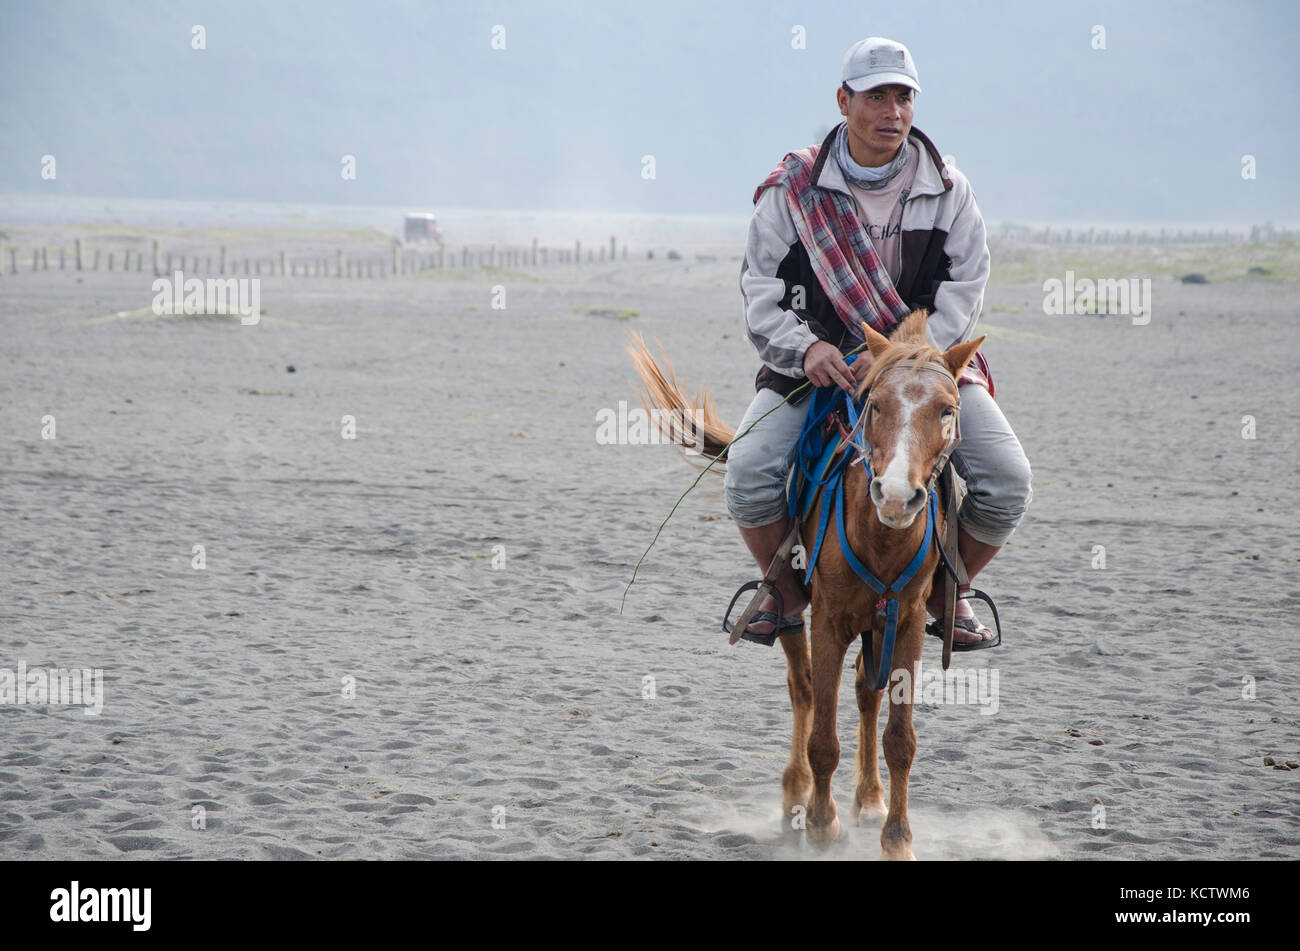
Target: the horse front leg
pixel 796 781
pixel 900 739
pixel 869 791
pixel 828 647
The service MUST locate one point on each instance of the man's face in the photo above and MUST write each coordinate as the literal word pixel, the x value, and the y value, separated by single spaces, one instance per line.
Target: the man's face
pixel 879 121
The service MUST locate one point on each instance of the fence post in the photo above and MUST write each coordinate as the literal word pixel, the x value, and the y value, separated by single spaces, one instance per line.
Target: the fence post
pixel 79 250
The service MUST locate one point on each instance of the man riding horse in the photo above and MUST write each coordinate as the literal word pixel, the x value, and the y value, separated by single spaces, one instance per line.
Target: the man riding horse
pixel 916 240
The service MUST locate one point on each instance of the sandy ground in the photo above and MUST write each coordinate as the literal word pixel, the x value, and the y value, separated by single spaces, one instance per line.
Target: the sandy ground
pixel 459 564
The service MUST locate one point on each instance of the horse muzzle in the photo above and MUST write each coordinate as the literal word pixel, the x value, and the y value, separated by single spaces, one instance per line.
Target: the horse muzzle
pixel 895 511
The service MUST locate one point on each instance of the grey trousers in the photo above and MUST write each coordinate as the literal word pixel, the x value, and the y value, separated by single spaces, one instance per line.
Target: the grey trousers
pixel 989 459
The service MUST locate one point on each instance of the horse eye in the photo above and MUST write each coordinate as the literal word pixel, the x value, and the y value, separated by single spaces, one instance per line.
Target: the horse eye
pixel 948 411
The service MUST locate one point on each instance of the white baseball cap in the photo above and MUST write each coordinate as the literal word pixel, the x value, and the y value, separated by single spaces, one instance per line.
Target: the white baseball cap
pixel 877 61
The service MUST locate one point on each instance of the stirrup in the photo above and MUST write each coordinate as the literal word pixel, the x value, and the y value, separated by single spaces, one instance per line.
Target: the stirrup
pixel 751 612
pixel 978 595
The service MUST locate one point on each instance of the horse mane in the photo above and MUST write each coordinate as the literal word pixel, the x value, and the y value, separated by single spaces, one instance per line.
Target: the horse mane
pixel 908 343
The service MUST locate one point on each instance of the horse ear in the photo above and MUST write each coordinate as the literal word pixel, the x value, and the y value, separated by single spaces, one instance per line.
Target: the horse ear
pixel 877 342
pixel 958 355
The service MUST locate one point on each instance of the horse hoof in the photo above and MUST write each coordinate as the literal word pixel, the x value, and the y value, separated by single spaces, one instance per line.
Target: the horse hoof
pixel 872 811
pixel 903 854
pixel 822 836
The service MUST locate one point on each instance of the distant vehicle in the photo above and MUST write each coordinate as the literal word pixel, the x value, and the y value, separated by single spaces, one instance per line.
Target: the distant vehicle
pixel 421 226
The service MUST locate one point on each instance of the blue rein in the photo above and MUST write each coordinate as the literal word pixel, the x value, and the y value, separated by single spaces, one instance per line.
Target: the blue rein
pixel 812 445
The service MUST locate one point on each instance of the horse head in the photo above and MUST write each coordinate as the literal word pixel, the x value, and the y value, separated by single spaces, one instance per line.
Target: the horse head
pixel 910 419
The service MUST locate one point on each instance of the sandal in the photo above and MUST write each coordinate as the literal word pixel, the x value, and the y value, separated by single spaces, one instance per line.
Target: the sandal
pixel 968 624
pixel 787 625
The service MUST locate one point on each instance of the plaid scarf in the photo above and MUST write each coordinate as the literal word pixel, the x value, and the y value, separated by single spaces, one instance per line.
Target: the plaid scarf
pixel 847 266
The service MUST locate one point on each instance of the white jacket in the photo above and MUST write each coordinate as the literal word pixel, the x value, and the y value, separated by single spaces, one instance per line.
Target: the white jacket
pixel 945 265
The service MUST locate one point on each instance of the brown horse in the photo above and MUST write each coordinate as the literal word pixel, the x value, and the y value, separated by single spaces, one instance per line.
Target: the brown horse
pixel 908 422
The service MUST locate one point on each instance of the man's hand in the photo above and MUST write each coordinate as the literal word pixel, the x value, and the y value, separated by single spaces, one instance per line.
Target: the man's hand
pixel 824 366
pixel 861 365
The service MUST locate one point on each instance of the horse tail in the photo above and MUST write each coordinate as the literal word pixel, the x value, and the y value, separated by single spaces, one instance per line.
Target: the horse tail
pixel 691 423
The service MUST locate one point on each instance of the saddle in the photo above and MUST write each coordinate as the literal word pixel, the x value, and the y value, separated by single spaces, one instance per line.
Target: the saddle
pixel 829 443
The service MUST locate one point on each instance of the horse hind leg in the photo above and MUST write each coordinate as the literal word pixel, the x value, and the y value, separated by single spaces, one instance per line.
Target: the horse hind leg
pixel 869 791
pixel 796 781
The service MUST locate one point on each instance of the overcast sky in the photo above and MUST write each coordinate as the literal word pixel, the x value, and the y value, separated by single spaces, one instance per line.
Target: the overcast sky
pixel 1152 128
